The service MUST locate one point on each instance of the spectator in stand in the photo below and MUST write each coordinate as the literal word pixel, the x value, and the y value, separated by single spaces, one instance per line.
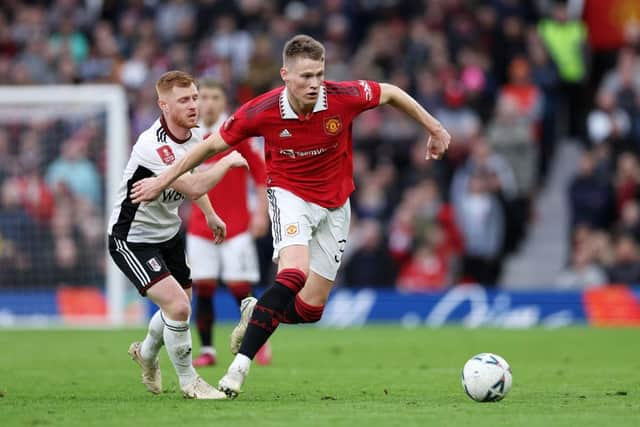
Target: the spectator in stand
pixel 544 75
pixel 8 162
pixel 427 270
pixel 626 266
pixel 513 135
pixel 482 223
pixel 35 196
pixel 629 222
pixel 624 82
pixel 626 181
pixel 75 171
pixel 69 39
pixel 591 199
pixel 608 122
pixel 565 38
pixel 582 273
pixel 19 237
pixel 369 262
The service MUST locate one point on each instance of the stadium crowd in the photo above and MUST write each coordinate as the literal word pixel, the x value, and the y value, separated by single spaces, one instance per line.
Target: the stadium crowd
pixel 503 76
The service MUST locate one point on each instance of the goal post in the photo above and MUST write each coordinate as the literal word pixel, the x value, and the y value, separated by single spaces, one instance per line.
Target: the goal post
pixel 73 103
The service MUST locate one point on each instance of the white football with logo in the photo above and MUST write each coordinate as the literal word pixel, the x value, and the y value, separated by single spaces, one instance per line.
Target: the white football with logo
pixel 486 377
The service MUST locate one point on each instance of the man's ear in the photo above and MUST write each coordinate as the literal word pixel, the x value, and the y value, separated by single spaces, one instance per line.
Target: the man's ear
pixel 163 106
pixel 283 74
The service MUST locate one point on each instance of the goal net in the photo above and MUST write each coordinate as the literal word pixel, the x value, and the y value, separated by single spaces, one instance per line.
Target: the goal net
pixel 62 153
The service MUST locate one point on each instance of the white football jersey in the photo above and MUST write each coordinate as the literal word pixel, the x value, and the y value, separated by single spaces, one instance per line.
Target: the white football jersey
pixel 157 221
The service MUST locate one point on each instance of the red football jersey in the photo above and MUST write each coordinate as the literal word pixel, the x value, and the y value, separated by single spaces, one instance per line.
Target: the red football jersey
pixel 309 156
pixel 229 196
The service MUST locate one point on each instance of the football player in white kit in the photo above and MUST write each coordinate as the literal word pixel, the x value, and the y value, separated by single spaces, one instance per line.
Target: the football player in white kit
pixel 145 240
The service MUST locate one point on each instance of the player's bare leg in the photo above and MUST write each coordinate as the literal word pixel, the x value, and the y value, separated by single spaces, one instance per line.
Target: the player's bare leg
pixel 175 309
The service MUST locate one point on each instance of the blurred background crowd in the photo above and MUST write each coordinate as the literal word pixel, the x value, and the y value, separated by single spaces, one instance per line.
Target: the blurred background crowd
pixel 511 80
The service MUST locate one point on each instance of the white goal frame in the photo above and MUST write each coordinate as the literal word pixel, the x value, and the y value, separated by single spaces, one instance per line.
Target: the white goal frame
pixel 113 99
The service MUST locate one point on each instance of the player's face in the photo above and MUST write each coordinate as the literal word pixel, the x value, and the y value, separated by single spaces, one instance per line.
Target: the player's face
pixel 213 102
pixel 303 78
pixel 182 106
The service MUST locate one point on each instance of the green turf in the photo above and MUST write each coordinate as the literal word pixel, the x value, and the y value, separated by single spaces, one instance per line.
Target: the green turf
pixel 375 376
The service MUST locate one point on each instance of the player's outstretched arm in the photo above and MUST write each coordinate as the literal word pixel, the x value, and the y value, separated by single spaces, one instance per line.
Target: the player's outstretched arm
pixel 202 182
pixel 439 138
pixel 196 185
pixel 149 189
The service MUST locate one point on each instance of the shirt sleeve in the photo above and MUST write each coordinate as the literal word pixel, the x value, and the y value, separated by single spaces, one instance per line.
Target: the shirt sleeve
pixel 238 127
pixel 368 95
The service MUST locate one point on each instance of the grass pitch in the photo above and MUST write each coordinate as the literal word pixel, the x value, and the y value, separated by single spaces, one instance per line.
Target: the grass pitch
pixel 374 376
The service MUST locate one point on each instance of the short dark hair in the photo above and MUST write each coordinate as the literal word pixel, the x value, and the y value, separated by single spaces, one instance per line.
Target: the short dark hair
pixel 170 79
pixel 303 46
pixel 209 83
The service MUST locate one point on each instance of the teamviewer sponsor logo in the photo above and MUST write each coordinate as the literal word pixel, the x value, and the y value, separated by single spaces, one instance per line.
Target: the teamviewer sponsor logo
pixel 290 152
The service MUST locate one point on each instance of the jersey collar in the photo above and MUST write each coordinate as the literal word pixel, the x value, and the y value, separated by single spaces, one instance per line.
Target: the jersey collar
pixel 286 111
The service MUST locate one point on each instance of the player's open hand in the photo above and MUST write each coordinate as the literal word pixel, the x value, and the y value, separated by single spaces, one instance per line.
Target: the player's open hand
pixel 146 190
pixel 218 227
pixel 235 160
pixel 437 144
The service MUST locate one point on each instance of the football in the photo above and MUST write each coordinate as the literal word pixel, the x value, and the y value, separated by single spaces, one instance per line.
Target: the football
pixel 486 377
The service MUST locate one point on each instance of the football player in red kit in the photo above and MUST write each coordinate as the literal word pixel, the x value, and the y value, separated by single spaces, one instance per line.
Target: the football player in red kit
pixel 306 125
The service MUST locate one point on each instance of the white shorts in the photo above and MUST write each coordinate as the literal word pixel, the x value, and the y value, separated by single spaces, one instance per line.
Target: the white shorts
pixel 298 222
pixel 234 260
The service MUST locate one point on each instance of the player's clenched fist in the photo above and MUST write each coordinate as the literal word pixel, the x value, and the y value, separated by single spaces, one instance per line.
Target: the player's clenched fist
pixel 438 143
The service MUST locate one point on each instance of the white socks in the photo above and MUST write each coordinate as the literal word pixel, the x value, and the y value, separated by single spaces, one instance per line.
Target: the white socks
pixel 177 338
pixel 240 363
pixel 153 341
pixel 208 350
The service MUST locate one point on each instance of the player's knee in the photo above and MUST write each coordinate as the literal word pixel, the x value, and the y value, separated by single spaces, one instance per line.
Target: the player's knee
pixel 179 310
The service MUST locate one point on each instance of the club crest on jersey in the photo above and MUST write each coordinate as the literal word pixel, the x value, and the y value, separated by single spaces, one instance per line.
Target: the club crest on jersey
pixel 166 154
pixel 332 125
pixel 154 264
pixel 291 229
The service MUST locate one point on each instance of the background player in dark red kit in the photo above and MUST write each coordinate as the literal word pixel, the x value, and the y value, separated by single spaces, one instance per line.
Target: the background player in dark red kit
pixel 307 129
pixel 235 261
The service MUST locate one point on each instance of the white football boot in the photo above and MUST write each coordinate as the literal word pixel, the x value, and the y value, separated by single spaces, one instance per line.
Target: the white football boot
pixel 232 381
pixel 200 389
pixel 246 310
pixel 151 376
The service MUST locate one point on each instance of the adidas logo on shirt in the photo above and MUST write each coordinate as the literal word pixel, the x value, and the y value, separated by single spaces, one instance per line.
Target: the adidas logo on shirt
pixel 285 133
